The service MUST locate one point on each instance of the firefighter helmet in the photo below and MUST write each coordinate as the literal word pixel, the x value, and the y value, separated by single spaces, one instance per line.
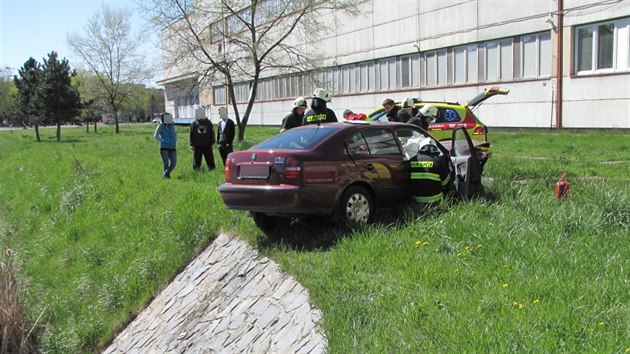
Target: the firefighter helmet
pixel 408 104
pixel 429 111
pixel 323 94
pixel 300 102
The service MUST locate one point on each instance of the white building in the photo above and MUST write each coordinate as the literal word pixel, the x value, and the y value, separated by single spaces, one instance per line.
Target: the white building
pixel 565 63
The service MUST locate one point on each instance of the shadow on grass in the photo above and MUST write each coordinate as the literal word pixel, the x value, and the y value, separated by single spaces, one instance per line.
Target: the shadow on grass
pixel 320 234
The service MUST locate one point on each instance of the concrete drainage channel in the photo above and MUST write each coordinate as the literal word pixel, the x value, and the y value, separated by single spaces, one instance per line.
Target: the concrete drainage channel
pixel 228 300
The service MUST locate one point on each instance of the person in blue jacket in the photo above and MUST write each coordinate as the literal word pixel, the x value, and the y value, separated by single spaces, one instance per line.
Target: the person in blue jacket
pixel 167 136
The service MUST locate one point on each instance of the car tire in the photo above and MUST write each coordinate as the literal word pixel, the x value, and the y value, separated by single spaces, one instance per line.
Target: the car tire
pixel 356 207
pixel 268 223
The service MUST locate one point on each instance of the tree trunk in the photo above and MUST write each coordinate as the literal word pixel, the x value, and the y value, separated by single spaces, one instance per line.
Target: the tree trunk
pixel 58 131
pixel 116 120
pixel 37 132
pixel 95 122
pixel 87 126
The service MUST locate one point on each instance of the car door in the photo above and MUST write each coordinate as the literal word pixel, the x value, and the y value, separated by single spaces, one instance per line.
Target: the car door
pixel 380 161
pixel 467 183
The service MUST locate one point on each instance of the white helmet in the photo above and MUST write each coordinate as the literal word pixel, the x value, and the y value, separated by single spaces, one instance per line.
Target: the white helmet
pixel 408 103
pixel 300 102
pixel 429 111
pixel 428 145
pixel 323 94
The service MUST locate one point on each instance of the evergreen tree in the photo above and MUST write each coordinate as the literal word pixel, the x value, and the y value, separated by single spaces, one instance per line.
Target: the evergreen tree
pixel 60 100
pixel 27 105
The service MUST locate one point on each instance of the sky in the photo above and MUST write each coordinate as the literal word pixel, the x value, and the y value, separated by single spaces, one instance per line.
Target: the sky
pixel 34 28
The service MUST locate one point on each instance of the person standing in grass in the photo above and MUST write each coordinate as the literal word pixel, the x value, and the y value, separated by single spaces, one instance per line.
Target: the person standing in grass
pixel 201 140
pixel 225 134
pixel 167 136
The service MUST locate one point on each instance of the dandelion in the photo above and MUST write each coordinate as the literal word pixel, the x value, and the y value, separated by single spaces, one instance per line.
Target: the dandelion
pixel 506 285
pixel 536 301
pixel 520 306
pixel 479 245
pixel 418 243
pixel 601 324
pixel 426 243
pixel 469 249
pixel 459 255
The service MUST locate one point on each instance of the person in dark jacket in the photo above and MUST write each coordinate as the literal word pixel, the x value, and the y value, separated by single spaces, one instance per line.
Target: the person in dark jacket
pixel 426 115
pixel 166 134
pixel 319 113
pixel 225 134
pixel 201 140
pixel 430 174
pixel 392 110
pixel 294 119
pixel 407 112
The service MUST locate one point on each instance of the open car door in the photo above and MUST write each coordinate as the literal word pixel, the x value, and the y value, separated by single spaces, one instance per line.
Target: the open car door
pixel 467 183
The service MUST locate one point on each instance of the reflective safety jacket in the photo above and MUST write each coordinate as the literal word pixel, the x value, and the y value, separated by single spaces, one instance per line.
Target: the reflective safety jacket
pixel 321 115
pixel 429 177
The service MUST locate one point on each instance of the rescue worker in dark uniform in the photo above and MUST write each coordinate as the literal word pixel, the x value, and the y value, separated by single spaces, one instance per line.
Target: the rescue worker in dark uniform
pixel 407 112
pixel 319 113
pixel 392 110
pixel 430 174
pixel 426 115
pixel 294 119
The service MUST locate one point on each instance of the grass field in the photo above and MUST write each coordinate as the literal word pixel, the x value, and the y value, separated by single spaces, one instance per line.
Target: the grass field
pixel 95 233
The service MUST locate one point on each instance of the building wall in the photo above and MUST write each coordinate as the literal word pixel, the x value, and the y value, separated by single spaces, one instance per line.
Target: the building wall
pixel 390 29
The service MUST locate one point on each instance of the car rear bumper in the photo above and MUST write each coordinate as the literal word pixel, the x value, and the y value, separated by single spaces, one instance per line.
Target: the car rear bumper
pixel 284 199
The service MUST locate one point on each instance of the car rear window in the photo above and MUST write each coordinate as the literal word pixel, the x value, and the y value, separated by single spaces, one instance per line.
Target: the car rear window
pixel 298 139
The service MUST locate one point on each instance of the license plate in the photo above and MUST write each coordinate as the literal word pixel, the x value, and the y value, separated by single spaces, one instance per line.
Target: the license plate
pixel 254 171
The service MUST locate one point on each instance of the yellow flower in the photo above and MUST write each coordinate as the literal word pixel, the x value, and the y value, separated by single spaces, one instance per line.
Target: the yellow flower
pixel 418 243
pixel 469 249
pixel 628 350
pixel 479 245
pixel 602 324
pixel 426 243
pixel 459 255
pixel 506 285
pixel 536 301
pixel 515 303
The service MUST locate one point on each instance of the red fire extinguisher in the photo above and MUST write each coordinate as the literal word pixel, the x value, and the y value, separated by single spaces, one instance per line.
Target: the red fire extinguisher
pixel 563 188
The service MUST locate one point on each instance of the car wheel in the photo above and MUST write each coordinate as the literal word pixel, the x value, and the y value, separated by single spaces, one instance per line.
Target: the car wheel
pixel 356 207
pixel 268 223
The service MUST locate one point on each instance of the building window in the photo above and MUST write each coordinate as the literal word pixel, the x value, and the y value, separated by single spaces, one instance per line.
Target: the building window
pixel 544 58
pixel 507 59
pixel 602 47
pixel 472 64
pixel 405 71
pixel 415 70
pixel 442 67
pixel 459 65
pixel 218 94
pixel 492 61
pixel 431 69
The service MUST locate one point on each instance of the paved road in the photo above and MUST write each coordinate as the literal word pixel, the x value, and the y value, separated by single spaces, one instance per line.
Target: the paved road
pixel 228 300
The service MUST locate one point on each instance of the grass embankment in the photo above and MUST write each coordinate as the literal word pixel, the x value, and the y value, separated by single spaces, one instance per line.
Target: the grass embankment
pixel 97 232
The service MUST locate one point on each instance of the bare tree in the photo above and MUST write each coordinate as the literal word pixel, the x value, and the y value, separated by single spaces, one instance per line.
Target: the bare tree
pixel 111 52
pixel 232 41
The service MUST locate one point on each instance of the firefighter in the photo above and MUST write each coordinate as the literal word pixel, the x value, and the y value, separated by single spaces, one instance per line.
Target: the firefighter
pixel 407 112
pixel 430 175
pixel 319 113
pixel 426 115
pixel 294 119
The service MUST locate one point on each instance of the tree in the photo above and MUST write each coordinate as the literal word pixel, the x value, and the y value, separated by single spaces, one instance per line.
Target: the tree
pixel 7 92
pixel 233 41
pixel 58 98
pixel 27 105
pixel 110 51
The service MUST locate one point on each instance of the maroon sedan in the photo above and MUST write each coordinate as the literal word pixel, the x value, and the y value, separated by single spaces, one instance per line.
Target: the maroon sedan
pixel 344 170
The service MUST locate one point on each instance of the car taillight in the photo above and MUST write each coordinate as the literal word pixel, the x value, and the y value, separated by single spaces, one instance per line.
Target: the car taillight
pixel 481 130
pixel 228 164
pixel 292 170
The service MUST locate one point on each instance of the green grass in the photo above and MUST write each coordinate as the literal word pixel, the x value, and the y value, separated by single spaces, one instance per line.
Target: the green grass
pixel 97 233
